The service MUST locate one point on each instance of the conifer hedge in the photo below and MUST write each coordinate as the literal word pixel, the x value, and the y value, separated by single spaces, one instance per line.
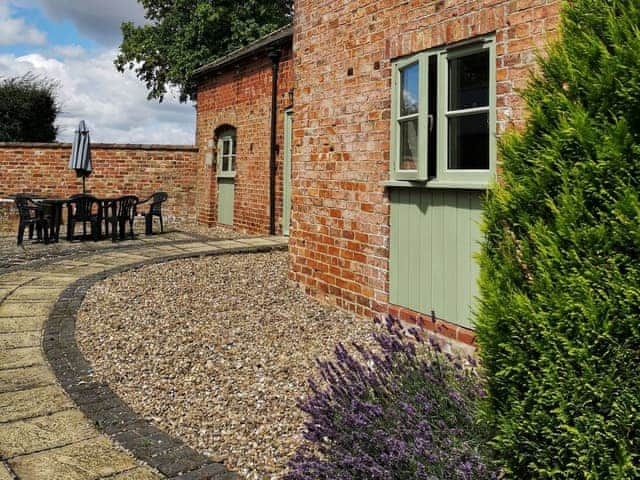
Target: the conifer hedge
pixel 559 317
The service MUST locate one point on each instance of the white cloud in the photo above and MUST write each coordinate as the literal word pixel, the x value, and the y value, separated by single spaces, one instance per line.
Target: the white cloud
pixel 15 31
pixel 114 105
pixel 70 51
pixel 95 19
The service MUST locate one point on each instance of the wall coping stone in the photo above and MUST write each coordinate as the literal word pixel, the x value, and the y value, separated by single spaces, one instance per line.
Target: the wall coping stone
pixel 103 146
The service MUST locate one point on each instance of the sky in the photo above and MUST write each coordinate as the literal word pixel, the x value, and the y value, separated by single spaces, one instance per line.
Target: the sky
pixel 74 42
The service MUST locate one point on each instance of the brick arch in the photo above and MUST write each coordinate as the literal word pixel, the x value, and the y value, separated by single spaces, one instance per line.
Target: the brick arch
pixel 222 128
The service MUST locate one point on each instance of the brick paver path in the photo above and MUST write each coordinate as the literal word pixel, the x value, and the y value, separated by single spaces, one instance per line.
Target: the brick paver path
pixel 43 433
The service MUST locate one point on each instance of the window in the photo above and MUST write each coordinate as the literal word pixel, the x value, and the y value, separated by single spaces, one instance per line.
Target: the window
pixel 227 153
pixel 443 117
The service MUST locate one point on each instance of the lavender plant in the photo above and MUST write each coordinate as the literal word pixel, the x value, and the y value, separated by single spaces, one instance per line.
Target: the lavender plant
pixel 406 411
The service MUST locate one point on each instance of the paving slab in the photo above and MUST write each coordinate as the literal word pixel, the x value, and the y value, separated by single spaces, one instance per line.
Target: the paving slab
pixel 72 263
pixel 85 271
pixel 19 340
pixel 44 433
pixel 123 259
pixel 260 241
pixel 195 246
pixel 53 281
pixel 21 357
pixel 37 295
pixel 21 309
pixel 16 278
pixel 4 473
pixel 32 403
pixel 25 378
pixel 66 270
pixel 182 236
pixel 141 473
pixel 229 244
pixel 87 460
pixel 21 324
pixel 167 248
pixel 61 267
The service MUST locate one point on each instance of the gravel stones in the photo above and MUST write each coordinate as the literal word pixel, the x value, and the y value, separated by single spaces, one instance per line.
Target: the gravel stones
pixel 215 351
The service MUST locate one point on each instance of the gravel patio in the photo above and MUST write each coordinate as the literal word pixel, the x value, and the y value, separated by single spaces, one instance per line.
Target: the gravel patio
pixel 215 351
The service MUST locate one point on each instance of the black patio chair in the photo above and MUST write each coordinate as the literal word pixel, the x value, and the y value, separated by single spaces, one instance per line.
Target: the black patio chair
pixel 155 210
pixel 118 213
pixel 32 216
pixel 84 209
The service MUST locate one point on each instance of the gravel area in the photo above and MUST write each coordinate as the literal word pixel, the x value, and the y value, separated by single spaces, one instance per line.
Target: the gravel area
pixel 215 351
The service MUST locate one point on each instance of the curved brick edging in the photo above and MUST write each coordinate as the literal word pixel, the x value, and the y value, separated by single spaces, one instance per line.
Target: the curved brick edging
pixel 101 405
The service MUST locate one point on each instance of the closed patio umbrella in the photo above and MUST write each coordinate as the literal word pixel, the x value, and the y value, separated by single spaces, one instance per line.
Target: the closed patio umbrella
pixel 80 159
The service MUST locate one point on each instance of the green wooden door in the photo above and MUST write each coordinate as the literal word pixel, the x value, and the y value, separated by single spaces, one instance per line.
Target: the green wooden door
pixel 435 235
pixel 226 192
pixel 286 181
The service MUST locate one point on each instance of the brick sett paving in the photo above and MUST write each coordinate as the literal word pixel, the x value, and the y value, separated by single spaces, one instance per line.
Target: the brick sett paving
pixel 56 422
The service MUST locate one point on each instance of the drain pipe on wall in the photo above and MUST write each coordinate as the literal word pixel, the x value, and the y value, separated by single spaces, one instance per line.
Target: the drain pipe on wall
pixel 274 55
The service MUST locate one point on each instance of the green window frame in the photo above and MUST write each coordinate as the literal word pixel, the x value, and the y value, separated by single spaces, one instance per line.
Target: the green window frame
pixel 417 64
pixel 227 154
pixel 464 115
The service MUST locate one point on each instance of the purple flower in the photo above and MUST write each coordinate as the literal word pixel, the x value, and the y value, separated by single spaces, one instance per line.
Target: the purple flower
pixel 404 411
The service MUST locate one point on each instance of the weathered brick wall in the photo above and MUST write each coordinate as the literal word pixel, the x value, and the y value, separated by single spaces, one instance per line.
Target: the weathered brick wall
pixel 240 96
pixel 140 170
pixel 343 51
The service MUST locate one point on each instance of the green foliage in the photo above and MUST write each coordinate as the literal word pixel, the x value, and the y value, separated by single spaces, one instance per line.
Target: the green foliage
pixel 28 109
pixel 181 35
pixel 559 319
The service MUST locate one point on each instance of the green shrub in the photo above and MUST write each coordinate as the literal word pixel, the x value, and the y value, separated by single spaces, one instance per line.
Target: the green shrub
pixel 559 317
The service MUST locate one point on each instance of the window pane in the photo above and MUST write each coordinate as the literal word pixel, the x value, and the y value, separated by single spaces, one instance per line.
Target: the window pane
pixel 233 146
pixel 225 163
pixel 233 163
pixel 409 145
pixel 469 81
pixel 469 142
pixel 226 143
pixel 410 90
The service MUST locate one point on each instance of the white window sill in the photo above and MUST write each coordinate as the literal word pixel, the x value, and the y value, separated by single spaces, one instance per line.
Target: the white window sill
pixel 226 175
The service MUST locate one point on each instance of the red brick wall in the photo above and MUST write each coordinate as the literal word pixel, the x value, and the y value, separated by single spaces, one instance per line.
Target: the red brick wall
pixel 117 170
pixel 240 96
pixel 339 245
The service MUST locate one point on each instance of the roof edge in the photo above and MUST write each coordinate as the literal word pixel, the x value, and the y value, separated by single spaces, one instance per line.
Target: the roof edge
pixel 279 36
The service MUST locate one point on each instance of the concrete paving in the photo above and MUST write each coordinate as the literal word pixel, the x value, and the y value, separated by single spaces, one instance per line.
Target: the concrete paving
pixel 43 433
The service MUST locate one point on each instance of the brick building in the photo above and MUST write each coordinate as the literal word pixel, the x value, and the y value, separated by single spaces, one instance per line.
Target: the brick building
pixel 241 177
pixel 397 109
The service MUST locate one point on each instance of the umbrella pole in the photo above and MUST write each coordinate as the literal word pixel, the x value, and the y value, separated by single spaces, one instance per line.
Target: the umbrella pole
pixel 84 187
